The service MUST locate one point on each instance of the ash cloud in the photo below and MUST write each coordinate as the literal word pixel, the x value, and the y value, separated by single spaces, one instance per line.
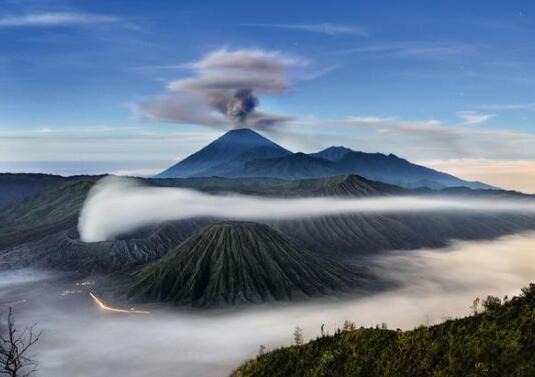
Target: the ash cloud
pixel 119 205
pixel 225 90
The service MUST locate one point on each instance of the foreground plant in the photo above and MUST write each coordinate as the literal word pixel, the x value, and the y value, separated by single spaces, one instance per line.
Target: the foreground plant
pixel 15 347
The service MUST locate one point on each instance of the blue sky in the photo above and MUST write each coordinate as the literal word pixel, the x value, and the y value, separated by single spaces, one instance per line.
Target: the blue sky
pixel 449 85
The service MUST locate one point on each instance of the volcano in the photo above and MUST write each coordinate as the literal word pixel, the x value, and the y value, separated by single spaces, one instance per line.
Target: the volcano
pixel 226 155
pixel 237 263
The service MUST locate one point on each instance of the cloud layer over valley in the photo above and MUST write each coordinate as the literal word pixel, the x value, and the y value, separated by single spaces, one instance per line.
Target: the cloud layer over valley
pixel 434 284
pixel 119 205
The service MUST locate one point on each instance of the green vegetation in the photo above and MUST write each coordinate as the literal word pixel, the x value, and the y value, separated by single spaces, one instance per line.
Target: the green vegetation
pixel 52 210
pixel 498 342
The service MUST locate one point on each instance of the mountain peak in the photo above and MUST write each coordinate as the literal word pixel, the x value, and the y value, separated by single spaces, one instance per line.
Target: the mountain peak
pixel 230 150
pixel 245 136
pixel 338 148
pixel 333 153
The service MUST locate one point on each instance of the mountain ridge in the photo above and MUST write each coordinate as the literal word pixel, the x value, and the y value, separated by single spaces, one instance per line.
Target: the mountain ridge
pixel 245 153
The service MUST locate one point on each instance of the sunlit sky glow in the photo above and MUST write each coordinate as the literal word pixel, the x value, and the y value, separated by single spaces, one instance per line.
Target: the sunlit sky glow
pixel 450 85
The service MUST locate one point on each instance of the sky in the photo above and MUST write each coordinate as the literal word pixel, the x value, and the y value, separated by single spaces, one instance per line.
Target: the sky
pixel 133 86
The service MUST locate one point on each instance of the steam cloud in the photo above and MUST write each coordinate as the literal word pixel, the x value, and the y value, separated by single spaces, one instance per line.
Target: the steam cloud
pixel 119 205
pixel 225 90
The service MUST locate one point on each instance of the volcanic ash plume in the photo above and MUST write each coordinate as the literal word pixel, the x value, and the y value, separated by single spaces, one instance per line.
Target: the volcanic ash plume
pixel 238 106
pixel 224 89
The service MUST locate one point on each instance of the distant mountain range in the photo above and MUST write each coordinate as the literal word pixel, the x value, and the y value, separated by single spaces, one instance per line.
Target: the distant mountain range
pixel 244 153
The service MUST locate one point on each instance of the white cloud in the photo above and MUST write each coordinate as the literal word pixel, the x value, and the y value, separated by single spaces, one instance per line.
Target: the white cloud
pixel 472 118
pixel 54 19
pixel 331 29
pixel 371 119
pixel 529 106
pixel 414 49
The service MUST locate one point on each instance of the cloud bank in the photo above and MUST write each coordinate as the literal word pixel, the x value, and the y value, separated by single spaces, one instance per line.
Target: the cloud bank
pixel 435 284
pixel 118 205
pixel 225 89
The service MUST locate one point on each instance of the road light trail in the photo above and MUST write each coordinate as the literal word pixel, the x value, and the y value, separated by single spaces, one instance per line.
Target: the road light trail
pixel 13 303
pixel 107 308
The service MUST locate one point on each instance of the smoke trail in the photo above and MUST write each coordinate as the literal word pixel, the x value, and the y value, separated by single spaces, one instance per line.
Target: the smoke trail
pixel 118 205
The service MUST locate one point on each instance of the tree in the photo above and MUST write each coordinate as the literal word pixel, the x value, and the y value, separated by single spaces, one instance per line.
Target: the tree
pixel 14 347
pixel 349 326
pixel 475 305
pixel 492 303
pixel 298 336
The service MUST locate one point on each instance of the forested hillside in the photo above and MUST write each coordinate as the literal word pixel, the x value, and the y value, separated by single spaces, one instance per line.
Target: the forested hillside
pixel 497 342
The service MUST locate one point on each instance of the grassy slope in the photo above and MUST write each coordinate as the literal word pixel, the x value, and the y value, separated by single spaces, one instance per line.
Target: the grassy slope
pixel 497 343
pixel 53 210
pixel 16 187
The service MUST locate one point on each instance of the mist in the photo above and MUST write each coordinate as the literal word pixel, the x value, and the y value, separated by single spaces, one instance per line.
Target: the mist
pixel 119 205
pixel 80 340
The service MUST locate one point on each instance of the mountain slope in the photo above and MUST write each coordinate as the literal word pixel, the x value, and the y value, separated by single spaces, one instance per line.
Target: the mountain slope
pixel 64 250
pixel 294 166
pixel 16 187
pixel 239 262
pixel 391 169
pixel 52 210
pixel 498 342
pixel 225 155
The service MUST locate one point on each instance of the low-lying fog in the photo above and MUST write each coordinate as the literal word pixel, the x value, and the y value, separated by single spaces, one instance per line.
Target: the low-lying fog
pixel 119 205
pixel 79 340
